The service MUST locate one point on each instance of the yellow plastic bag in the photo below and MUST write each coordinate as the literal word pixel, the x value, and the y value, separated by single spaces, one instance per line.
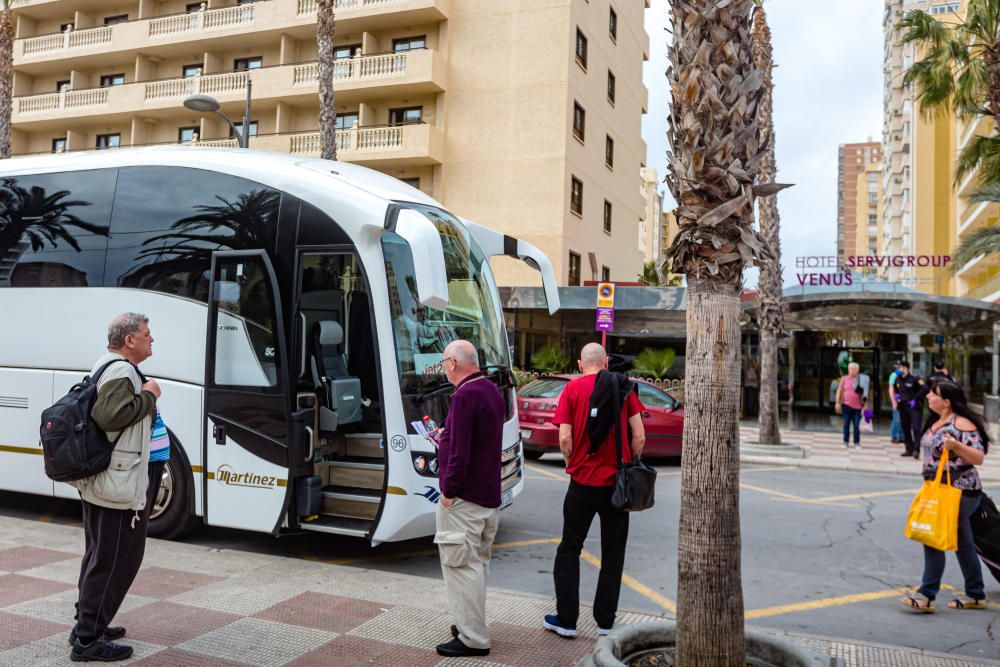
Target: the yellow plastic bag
pixel 933 517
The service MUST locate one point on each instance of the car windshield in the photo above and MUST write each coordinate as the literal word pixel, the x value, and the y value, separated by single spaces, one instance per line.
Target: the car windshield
pixel 422 333
pixel 542 388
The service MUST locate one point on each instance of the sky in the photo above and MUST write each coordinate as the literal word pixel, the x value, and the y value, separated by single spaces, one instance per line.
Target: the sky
pixel 827 92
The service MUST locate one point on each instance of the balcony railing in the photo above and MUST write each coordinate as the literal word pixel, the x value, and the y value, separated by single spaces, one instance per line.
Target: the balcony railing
pixel 210 19
pixel 309 6
pixel 70 39
pixel 70 99
pixel 383 66
pixel 361 139
pixel 210 84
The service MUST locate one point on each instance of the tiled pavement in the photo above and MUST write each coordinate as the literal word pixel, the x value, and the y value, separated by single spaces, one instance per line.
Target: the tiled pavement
pixel 201 607
pixel 825 449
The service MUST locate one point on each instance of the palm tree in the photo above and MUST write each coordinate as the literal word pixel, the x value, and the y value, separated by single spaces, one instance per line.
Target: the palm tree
pixel 6 75
pixel 960 70
pixel 650 276
pixel 714 159
pixel 984 241
pixel 326 27
pixel 769 285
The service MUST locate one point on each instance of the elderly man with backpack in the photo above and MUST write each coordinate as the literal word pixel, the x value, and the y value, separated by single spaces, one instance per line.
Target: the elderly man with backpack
pixel 117 500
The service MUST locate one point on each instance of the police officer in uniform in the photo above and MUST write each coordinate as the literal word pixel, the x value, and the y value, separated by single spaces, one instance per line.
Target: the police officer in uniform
pixel 939 373
pixel 910 391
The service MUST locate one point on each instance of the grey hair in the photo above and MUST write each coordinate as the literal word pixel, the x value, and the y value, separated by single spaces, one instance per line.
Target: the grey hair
pixel 123 325
pixel 593 354
pixel 853 364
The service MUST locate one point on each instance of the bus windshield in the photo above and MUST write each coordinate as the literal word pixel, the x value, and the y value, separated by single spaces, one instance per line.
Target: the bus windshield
pixel 421 333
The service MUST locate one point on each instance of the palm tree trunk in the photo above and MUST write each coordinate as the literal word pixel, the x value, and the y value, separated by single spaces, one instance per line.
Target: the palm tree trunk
pixel 769 284
pixel 325 30
pixel 709 583
pixel 714 159
pixel 6 77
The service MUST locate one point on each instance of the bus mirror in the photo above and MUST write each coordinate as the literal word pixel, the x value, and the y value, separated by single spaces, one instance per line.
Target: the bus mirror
pixel 495 243
pixel 428 257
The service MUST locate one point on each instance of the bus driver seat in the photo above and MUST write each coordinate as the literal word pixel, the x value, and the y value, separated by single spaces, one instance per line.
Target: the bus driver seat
pixel 342 404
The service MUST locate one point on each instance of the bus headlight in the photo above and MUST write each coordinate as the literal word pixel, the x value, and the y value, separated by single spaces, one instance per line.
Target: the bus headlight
pixel 433 466
pixel 420 464
pixel 426 464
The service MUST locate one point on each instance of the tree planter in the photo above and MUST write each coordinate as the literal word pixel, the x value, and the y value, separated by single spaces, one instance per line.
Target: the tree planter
pixel 628 643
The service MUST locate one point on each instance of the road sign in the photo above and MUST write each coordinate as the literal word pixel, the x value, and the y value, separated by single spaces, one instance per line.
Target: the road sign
pixel 606 295
pixel 605 319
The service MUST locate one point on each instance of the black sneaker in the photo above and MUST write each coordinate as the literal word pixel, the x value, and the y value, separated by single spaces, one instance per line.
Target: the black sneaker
pixel 113 633
pixel 99 650
pixel 456 649
pixel 907 454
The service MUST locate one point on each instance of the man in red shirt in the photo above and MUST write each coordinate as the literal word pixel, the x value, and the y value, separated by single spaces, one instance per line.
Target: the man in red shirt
pixel 592 478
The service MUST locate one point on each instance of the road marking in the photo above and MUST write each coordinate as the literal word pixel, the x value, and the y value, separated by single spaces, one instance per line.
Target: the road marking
pixel 677 473
pixel 824 504
pixel 862 496
pixel 550 475
pixel 424 552
pixel 637 586
pixel 826 602
pixel 772 492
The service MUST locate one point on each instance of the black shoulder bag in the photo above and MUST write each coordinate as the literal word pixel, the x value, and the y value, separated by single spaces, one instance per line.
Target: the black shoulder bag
pixel 635 482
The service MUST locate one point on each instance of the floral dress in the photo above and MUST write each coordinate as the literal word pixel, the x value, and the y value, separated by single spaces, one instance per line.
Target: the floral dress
pixel 963 474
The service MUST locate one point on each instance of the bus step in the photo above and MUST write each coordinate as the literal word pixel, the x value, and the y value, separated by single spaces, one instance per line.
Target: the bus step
pixel 339 525
pixel 351 504
pixel 356 493
pixel 357 472
pixel 364 445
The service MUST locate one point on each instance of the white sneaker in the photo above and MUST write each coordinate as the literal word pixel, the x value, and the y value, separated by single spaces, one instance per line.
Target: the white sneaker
pixel 603 632
pixel 845 445
pixel 857 446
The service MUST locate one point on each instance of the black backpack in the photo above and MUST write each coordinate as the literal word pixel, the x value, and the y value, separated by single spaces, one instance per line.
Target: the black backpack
pixel 72 444
pixel 986 531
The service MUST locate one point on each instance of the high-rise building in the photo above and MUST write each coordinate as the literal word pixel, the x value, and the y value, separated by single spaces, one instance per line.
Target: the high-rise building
pixel 980 278
pixel 524 117
pixel 650 240
pixel 852 161
pixel 868 212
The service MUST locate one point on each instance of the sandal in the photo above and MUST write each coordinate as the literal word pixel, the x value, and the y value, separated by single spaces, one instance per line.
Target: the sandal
pixel 919 604
pixel 967 603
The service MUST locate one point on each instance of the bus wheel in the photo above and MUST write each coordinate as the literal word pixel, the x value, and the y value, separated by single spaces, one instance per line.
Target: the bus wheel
pixel 533 454
pixel 170 516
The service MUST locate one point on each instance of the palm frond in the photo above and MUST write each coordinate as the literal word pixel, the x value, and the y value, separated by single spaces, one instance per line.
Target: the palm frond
pixel 919 27
pixel 982 21
pixel 935 85
pixel 981 155
pixel 985 241
pixel 986 193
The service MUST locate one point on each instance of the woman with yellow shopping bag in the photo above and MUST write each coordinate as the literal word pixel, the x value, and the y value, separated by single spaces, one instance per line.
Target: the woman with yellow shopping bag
pixel 954 442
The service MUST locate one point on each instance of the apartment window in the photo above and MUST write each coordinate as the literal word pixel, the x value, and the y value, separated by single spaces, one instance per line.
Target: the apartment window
pixel 244 64
pixel 186 135
pixel 62 86
pixel 576 195
pixel 579 121
pixel 412 182
pixel 239 126
pixel 192 7
pixel 873 219
pixel 406 115
pixel 66 27
pixel 345 121
pixel 581 48
pixel 59 145
pixel 409 44
pixel 189 71
pixel 605 274
pixel 613 25
pixel 607 217
pixel 346 51
pixel 609 151
pixel 109 140
pixel 948 8
pixel 574 269
pixel 112 80
pixel 117 18
pixel 611 88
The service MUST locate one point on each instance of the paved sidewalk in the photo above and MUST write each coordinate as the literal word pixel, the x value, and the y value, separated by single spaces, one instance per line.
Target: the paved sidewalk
pixel 199 606
pixel 825 449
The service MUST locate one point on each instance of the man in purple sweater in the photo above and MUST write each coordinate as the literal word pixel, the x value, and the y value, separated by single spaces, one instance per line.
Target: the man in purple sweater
pixel 468 514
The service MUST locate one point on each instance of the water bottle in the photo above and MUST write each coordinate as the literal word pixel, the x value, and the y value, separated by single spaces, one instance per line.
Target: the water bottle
pixel 430 424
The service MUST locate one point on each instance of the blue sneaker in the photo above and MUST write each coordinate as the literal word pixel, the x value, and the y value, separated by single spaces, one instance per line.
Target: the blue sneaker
pixel 551 622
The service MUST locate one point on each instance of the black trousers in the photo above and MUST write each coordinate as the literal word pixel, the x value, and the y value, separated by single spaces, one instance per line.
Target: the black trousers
pixel 112 555
pixel 910 421
pixel 579 507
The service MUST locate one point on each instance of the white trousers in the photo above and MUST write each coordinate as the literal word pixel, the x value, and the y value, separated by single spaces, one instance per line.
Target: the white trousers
pixel 465 533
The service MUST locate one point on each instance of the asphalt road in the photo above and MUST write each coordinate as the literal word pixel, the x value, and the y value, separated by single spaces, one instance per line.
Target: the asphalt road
pixel 823 552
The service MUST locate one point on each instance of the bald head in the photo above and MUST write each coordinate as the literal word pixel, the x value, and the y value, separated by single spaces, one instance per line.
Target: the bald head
pixel 593 358
pixel 464 354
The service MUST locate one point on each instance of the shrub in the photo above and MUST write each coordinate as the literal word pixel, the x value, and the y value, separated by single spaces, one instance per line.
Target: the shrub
pixel 550 359
pixel 654 362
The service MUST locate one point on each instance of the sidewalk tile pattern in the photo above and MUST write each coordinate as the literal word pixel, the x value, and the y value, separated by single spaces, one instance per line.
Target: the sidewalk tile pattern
pixel 198 606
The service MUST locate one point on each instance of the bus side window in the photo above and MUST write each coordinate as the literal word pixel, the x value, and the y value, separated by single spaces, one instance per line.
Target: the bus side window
pixel 246 343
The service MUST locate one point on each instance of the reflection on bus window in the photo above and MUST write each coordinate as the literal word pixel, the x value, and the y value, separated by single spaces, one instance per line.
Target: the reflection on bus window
pixel 246 345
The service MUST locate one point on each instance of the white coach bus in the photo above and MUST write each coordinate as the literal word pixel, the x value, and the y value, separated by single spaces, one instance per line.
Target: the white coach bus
pixel 299 309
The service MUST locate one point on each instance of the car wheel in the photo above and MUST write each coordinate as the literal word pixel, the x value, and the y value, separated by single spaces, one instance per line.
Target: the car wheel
pixel 532 455
pixel 170 517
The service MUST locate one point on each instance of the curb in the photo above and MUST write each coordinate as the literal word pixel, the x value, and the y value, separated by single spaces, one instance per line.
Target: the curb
pixel 847 466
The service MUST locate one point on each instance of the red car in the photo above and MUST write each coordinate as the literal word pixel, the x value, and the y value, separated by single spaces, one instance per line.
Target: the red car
pixel 663 417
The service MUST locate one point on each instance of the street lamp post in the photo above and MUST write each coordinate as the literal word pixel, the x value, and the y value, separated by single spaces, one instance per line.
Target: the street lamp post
pixel 208 104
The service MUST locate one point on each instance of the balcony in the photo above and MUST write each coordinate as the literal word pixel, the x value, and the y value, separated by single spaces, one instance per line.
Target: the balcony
pixel 399 74
pixel 974 216
pixel 225 23
pixel 985 289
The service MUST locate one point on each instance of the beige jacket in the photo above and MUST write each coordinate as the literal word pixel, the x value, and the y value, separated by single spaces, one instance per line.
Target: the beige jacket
pixel 125 413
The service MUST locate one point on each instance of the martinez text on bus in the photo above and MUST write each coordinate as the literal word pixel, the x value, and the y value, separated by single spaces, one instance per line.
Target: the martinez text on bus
pixel 300 309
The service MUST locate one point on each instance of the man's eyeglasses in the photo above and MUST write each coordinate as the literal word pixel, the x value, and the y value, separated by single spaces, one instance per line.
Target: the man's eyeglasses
pixel 444 359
